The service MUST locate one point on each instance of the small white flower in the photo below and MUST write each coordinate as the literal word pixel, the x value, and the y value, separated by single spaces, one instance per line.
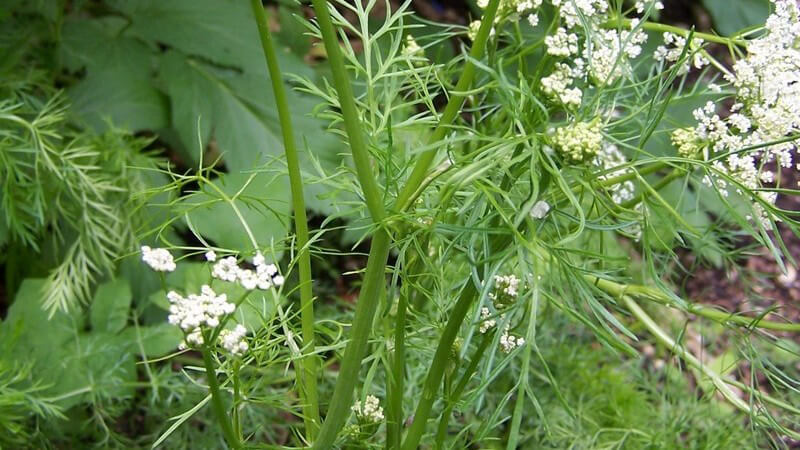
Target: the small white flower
pixel 226 269
pixel 159 259
pixel 533 20
pixel 211 256
pixel 248 279
pixel 509 342
pixel 486 323
pixel 234 341
pixel 540 209
pixel 369 410
pixel 259 260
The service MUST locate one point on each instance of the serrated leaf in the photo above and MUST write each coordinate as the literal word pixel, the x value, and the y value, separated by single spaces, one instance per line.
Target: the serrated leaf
pixel 110 307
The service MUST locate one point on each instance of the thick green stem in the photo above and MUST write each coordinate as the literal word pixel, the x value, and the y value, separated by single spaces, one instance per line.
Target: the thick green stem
pixel 374 280
pixel 436 371
pixel 462 384
pixel 216 401
pixel 425 159
pixel 396 388
pixel 342 398
pixel 310 366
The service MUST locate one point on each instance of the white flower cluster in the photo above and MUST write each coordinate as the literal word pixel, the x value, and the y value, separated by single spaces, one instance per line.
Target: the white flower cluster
pixel 767 109
pixel 510 10
pixel 486 323
pixel 562 44
pixel 557 84
pixel 264 277
pixel 159 259
pixel 540 209
pixel 606 52
pixel 572 10
pixel 673 49
pixel 197 310
pixel 369 410
pixel 579 140
pixel 509 342
pixel 609 52
pixel 234 341
pixel 506 292
pixel 609 158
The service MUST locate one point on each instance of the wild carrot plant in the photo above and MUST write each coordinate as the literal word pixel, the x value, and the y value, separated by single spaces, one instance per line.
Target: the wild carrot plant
pixel 541 180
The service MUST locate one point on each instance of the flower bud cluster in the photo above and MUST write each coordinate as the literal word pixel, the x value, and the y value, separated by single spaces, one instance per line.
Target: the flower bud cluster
pixel 369 410
pixel 263 277
pixel 159 259
pixel 579 140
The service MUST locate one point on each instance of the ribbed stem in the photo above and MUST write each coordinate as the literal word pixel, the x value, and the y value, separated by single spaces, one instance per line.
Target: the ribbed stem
pixel 308 381
pixel 374 278
pixel 216 400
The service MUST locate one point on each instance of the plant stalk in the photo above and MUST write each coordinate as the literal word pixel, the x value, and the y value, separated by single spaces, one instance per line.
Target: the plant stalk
pixel 374 281
pixel 216 400
pixel 425 159
pixel 310 365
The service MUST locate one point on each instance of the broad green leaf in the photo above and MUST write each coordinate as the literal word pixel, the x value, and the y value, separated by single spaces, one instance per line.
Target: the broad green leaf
pixel 221 31
pixel 110 307
pixel 263 204
pixel 731 16
pixel 118 84
pixel 27 333
pixel 120 96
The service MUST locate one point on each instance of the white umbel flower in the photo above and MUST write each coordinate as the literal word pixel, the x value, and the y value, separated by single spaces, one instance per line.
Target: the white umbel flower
pixel 226 269
pixel 486 323
pixel 509 342
pixel 540 209
pixel 234 340
pixel 369 410
pixel 159 259
pixel 196 310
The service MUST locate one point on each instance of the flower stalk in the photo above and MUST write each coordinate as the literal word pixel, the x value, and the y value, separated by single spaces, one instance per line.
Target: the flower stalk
pixel 216 400
pixel 310 365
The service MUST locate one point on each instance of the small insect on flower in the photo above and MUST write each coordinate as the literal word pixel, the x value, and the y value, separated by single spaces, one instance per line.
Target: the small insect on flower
pixel 159 259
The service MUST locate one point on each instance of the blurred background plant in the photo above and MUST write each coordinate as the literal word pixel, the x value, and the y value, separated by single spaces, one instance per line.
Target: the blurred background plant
pixel 125 123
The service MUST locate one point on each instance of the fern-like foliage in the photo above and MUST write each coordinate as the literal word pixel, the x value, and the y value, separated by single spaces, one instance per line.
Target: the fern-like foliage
pixel 73 187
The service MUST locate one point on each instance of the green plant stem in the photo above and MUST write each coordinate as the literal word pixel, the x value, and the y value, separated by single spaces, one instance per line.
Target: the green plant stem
pixel 425 159
pixel 660 184
pixel 438 364
pixel 370 294
pixel 237 400
pixel 216 400
pixel 660 27
pixel 310 366
pixel 396 388
pixel 617 289
pixel 441 432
